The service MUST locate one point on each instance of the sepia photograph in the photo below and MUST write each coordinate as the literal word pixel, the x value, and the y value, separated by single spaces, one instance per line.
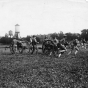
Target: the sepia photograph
pixel 43 43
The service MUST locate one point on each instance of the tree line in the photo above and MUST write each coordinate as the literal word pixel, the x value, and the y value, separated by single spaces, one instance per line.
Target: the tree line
pixel 40 38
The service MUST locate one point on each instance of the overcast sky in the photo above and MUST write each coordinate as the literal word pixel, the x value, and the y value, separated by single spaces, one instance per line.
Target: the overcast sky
pixel 43 16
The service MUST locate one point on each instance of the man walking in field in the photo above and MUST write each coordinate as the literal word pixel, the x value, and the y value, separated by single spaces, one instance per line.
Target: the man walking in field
pixel 34 44
pixel 14 43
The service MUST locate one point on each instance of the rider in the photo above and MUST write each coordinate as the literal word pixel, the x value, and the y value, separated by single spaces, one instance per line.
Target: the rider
pixel 34 43
pixel 74 46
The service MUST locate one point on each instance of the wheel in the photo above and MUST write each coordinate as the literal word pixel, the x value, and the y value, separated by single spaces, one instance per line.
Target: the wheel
pixel 47 46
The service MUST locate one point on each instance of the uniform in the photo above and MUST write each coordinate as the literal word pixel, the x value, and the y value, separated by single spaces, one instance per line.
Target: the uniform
pixel 34 43
pixel 74 46
pixel 14 43
pixel 83 43
pixel 55 41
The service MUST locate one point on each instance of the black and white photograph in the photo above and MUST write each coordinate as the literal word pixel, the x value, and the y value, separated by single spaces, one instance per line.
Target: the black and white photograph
pixel 43 43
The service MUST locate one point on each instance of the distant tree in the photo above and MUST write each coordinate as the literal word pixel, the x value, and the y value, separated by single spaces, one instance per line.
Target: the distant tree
pixel 54 35
pixel 28 38
pixel 69 36
pixel 61 34
pixel 5 40
pixel 10 33
pixel 84 34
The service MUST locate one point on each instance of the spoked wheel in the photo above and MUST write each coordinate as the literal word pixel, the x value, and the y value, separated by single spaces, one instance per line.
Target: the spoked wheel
pixel 47 47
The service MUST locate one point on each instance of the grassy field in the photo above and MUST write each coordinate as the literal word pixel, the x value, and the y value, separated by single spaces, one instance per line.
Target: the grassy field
pixel 41 71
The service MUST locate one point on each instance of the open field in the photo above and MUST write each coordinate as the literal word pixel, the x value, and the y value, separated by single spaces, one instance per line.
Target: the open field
pixel 41 71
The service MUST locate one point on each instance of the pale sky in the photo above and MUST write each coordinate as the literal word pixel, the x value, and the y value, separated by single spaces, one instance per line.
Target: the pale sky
pixel 43 16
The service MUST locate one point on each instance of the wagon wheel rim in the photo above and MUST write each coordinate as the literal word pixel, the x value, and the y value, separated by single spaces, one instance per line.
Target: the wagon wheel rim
pixel 44 47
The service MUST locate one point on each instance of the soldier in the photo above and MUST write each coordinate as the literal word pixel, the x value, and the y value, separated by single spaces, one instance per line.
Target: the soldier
pixel 64 42
pixel 46 38
pixel 34 44
pixel 61 47
pixel 55 41
pixel 83 43
pixel 74 46
pixel 14 43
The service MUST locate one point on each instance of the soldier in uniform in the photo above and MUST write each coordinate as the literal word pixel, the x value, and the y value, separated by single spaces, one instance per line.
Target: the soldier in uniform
pixel 83 43
pixel 14 43
pixel 74 46
pixel 61 48
pixel 55 41
pixel 34 43
pixel 63 42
